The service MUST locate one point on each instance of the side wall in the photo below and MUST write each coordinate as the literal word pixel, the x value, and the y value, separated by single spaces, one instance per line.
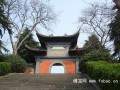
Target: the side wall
pixel 45 66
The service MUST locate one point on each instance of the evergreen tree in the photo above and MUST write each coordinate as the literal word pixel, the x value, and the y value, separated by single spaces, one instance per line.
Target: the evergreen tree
pixel 4 22
pixel 93 44
pixel 23 51
pixel 95 51
pixel 2 47
pixel 115 30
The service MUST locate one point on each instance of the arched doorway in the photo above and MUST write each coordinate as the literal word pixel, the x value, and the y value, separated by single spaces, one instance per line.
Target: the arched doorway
pixel 57 68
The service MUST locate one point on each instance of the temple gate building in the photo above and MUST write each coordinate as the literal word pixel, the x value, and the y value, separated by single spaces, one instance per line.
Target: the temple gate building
pixel 57 51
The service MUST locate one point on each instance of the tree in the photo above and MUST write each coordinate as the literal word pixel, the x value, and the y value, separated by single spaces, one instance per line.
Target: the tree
pixel 30 42
pixel 4 22
pixel 96 55
pixel 117 2
pixel 94 51
pixel 33 14
pixel 95 20
pixel 94 44
pixel 115 30
pixel 2 47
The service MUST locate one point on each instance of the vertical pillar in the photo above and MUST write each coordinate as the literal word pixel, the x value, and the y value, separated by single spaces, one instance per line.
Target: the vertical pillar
pixel 37 65
pixel 48 50
pixel 67 50
pixel 77 65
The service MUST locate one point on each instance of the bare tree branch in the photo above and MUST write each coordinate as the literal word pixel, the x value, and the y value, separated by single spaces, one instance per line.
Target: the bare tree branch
pixel 96 18
pixel 30 14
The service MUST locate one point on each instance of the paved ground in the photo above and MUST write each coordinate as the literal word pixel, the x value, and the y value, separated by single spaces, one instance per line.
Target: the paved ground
pixel 45 82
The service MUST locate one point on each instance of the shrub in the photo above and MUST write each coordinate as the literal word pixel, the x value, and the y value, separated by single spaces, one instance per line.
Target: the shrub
pixel 103 70
pixel 18 64
pixel 94 56
pixel 5 68
pixel 2 57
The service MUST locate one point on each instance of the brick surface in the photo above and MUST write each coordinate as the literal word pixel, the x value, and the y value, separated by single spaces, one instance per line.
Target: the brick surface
pixel 44 82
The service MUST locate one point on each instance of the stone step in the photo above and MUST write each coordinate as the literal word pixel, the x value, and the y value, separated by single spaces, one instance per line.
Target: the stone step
pixel 44 82
pixel 39 88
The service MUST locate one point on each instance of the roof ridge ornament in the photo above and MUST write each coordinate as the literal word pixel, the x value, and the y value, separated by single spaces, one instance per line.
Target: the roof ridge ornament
pixel 65 34
pixel 51 35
